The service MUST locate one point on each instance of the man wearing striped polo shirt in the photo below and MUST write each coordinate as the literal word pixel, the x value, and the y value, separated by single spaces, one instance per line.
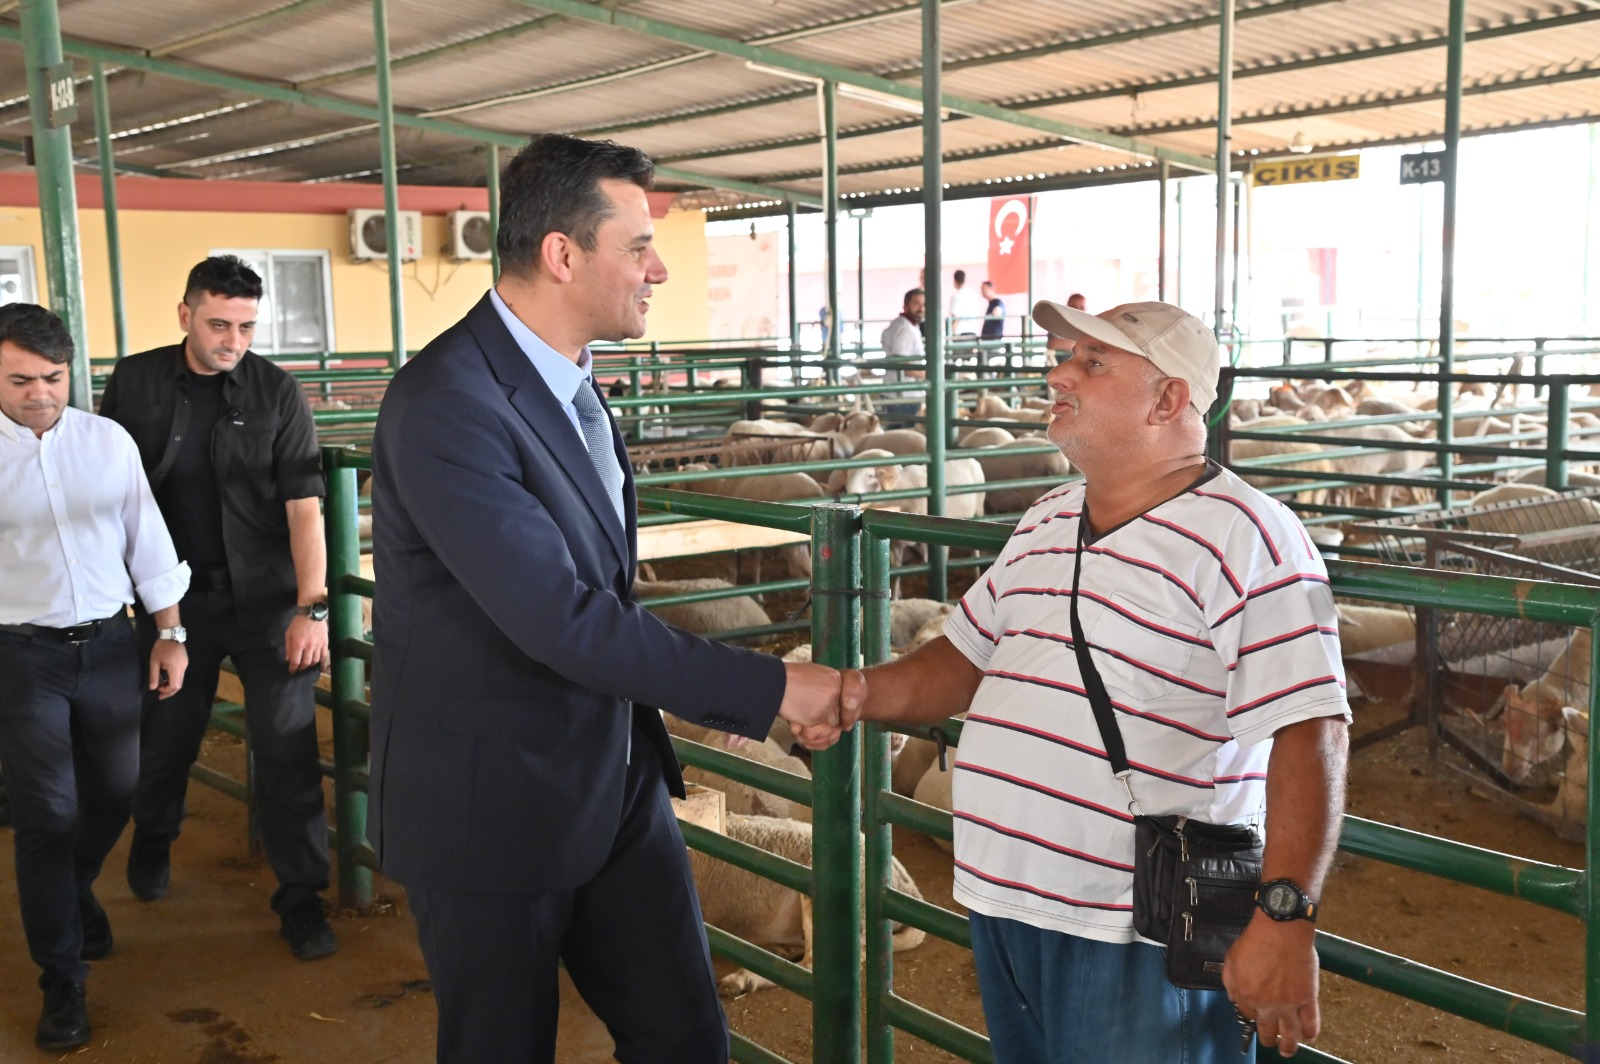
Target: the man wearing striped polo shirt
pixel 1210 620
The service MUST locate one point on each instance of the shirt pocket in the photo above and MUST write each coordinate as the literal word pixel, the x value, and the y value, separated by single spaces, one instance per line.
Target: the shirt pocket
pixel 1140 655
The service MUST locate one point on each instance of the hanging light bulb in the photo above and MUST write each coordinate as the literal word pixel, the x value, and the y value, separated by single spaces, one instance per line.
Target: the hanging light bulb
pixel 1300 145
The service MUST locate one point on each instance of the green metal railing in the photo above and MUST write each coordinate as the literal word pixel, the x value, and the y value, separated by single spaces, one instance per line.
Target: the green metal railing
pixel 851 797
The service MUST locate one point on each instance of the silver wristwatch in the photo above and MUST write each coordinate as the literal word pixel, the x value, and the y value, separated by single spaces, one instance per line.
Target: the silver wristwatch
pixel 180 634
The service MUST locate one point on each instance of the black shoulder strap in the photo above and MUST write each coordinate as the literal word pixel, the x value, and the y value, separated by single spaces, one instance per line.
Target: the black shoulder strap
pixel 1099 701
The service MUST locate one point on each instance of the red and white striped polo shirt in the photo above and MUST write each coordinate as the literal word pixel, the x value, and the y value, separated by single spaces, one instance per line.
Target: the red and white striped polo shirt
pixel 1212 624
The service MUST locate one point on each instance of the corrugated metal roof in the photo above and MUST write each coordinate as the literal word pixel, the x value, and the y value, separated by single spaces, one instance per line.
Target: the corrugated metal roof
pixel 1333 73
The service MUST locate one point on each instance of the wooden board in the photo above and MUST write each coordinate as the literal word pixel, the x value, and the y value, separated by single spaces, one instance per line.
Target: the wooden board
pixel 709 537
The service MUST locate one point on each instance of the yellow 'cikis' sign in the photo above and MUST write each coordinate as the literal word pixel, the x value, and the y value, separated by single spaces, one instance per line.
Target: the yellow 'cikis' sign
pixel 1301 171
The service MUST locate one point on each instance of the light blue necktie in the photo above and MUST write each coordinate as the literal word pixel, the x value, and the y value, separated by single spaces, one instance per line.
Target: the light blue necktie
pixel 596 427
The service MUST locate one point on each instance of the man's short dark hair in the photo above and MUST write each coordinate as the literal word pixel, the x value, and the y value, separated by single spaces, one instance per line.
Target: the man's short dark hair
pixel 33 328
pixel 961 276
pixel 553 186
pixel 222 275
pixel 913 293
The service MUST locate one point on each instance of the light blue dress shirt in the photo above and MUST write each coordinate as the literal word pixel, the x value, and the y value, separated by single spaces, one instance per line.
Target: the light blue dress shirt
pixel 560 373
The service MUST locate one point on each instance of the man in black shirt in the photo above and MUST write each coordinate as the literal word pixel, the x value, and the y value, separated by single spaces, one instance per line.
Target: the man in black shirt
pixel 994 313
pixel 231 451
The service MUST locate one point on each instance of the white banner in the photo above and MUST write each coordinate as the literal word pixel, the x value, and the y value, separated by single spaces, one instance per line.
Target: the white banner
pixel 742 278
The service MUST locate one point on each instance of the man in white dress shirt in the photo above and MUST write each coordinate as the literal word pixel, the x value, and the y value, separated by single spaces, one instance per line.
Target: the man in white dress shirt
pixel 80 535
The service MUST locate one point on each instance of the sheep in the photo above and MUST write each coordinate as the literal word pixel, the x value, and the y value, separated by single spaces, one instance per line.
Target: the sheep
pixel 958 472
pixel 1533 719
pixel 717 615
pixel 815 447
pixel 896 441
pixel 1244 409
pixel 1367 628
pixel 767 913
pixel 744 798
pixel 770 487
pixel 1572 800
pixel 1393 460
pixel 1289 450
pixel 988 436
pixel 909 616
pixel 1007 466
pixel 934 789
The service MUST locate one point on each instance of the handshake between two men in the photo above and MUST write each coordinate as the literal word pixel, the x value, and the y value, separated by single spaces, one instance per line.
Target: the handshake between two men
pixel 822 703
pixel 924 686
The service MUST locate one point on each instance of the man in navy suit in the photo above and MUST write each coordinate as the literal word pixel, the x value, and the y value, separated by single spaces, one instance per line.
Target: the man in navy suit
pixel 520 769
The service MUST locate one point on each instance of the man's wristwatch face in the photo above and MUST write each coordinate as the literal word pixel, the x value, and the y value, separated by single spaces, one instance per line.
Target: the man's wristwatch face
pixel 179 634
pixel 317 611
pixel 1281 899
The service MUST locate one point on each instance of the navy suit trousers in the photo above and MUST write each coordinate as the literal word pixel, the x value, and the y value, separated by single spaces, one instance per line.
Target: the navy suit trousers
pixel 631 939
pixel 69 739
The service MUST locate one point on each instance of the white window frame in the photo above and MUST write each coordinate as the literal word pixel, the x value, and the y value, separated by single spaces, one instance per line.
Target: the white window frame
pixel 30 270
pixel 267 281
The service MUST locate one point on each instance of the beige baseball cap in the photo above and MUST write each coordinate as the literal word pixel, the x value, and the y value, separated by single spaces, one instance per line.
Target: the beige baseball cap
pixel 1177 342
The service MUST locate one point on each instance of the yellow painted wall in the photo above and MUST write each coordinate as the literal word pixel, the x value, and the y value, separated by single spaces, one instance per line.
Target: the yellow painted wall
pixel 159 247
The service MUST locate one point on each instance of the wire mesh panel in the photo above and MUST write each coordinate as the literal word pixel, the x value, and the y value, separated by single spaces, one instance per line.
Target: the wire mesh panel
pixel 1509 694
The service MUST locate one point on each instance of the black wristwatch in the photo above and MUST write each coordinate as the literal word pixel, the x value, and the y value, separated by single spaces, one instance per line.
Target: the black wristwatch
pixel 1282 899
pixel 317 611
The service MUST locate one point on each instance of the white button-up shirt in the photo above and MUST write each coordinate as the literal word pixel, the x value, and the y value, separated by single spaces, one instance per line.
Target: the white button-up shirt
pixel 80 533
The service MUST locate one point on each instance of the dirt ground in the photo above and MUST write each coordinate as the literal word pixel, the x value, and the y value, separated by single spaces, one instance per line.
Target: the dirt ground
pixel 202 978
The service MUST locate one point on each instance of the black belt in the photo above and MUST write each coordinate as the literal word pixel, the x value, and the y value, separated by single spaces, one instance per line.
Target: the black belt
pixel 210 580
pixel 78 633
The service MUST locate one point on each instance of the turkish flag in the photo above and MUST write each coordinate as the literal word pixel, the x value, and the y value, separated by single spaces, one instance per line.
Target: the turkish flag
pixel 1010 219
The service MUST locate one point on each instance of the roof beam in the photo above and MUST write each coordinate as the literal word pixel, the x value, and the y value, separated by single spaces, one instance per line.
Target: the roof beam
pixel 845 76
pixel 1190 81
pixel 1481 87
pixel 88 162
pixel 588 81
pixel 266 90
pixel 233 29
pixel 1077 96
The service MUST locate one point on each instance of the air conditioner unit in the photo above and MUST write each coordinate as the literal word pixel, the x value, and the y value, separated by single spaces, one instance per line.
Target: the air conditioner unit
pixel 470 236
pixel 369 238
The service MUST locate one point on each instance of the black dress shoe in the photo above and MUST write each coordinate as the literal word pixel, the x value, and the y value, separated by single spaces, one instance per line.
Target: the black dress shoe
pixel 307 931
pixel 149 868
pixel 64 1023
pixel 97 939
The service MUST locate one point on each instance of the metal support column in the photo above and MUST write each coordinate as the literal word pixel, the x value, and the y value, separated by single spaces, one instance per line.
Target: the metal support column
pixel 494 209
pixel 349 680
pixel 861 283
pixel 1447 258
pixel 836 797
pixel 1027 309
pixel 1224 154
pixel 1238 210
pixel 58 195
pixel 108 197
pixel 830 207
pixel 1162 172
pixel 875 781
pixel 933 230
pixel 794 284
pixel 391 190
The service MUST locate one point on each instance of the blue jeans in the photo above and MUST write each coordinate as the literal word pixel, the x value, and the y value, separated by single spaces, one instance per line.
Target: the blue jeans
pixel 1053 998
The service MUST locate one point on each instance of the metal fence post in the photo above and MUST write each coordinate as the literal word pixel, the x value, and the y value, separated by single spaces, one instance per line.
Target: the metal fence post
pixel 108 197
pixel 349 679
pixel 391 185
pixel 875 779
pixel 836 804
pixel 1555 460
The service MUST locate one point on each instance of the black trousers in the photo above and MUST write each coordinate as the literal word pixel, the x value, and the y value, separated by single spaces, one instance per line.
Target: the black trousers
pixel 631 939
pixel 280 718
pixel 69 738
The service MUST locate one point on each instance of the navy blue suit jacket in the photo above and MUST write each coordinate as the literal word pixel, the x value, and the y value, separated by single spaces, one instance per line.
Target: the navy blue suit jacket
pixel 511 668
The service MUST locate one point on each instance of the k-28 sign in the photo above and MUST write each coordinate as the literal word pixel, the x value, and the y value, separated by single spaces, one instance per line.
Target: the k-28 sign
pixel 60 83
pixel 1422 168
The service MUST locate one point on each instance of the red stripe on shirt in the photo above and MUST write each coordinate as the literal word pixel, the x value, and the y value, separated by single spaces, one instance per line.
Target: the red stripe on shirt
pixel 1197 539
pixel 1261 528
pixel 1053 847
pixel 1274 696
pixel 1052 896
